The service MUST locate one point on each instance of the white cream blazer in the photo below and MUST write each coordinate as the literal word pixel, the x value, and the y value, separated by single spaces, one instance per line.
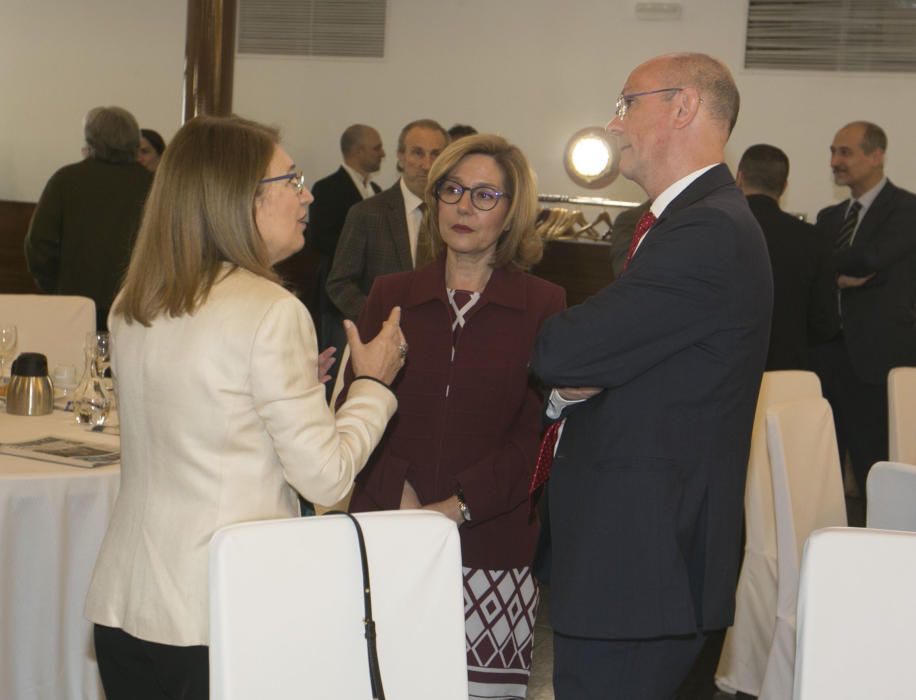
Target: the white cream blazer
pixel 222 417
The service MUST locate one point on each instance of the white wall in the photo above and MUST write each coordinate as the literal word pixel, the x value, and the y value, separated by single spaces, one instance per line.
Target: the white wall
pixel 533 70
pixel 60 58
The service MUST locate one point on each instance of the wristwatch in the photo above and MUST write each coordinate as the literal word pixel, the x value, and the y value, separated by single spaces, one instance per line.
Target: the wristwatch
pixel 462 506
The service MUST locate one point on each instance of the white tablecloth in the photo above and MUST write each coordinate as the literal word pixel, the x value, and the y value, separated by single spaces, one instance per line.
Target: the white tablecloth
pixel 52 520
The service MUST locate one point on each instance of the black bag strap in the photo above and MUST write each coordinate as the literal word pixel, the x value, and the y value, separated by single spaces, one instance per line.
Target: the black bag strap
pixel 375 675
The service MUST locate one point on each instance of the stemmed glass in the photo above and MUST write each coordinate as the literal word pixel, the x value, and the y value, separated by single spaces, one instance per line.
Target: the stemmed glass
pixel 9 340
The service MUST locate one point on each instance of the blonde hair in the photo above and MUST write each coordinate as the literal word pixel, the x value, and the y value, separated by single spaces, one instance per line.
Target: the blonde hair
pixel 519 245
pixel 199 215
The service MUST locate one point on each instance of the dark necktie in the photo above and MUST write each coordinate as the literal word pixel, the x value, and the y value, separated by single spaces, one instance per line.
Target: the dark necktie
pixel 844 240
pixel 545 457
pixel 644 224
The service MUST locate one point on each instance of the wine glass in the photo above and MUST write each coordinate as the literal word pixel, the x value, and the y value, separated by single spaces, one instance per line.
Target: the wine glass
pixel 9 340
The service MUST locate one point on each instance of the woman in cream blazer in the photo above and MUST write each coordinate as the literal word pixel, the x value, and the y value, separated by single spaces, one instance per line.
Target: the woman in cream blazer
pixel 223 416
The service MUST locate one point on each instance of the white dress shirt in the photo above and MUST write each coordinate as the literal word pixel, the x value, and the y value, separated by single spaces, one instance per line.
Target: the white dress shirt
pixel 414 217
pixel 363 184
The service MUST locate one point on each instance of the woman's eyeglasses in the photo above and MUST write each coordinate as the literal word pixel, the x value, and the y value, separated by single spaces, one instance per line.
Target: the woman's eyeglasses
pixel 297 180
pixel 483 198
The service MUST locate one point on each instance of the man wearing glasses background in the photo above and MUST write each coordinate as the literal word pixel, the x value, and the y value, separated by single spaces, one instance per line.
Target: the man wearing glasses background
pixel 657 379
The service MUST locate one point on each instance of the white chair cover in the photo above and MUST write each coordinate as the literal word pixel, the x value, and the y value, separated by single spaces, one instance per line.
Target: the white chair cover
pixel 747 642
pixel 55 326
pixel 808 495
pixel 286 608
pixel 901 406
pixel 891 489
pixel 856 616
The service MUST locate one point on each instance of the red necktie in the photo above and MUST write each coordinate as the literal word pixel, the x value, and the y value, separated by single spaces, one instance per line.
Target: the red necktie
pixel 644 224
pixel 545 457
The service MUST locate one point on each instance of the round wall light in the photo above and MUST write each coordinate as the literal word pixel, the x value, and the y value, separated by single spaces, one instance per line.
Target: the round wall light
pixel 591 158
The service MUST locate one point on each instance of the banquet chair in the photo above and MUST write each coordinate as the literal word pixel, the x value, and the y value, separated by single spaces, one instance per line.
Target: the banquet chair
pixel 286 608
pixel 901 409
pixel 807 495
pixel 55 326
pixel 856 616
pixel 891 489
pixel 747 642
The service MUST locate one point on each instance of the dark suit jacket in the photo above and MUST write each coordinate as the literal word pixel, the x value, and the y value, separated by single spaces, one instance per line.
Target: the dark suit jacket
pixel 879 318
pixel 374 242
pixel 483 433
pixel 804 290
pixel 647 489
pixel 334 195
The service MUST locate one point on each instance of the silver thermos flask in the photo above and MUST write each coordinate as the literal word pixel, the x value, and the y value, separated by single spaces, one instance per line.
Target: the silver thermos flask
pixel 30 391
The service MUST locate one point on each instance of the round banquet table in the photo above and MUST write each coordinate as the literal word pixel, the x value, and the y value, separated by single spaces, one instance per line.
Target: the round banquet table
pixel 52 520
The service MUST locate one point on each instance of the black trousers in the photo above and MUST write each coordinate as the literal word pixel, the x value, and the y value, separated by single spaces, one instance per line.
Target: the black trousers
pixel 614 669
pixel 859 408
pixel 134 669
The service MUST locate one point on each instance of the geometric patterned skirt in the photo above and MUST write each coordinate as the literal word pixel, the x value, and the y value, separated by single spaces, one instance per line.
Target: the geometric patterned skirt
pixel 500 606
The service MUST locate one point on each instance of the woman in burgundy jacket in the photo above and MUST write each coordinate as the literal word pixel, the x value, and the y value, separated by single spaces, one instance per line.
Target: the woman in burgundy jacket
pixel 465 438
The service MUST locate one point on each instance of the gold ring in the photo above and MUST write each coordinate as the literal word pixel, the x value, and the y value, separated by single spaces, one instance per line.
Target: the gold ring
pixel 402 348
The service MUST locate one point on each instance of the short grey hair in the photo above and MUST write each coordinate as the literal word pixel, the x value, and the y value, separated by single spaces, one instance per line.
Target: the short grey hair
pixel 712 79
pixel 873 136
pixel 112 134
pixel 352 137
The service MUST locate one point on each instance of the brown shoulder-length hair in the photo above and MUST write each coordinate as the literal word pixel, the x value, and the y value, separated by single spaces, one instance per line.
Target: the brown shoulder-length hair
pixel 199 215
pixel 519 245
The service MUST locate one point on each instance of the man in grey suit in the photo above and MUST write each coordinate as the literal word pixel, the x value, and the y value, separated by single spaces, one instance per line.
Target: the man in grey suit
pixel 381 235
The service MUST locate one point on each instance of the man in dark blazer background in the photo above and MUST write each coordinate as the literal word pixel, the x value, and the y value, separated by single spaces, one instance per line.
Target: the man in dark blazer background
pixel 362 152
pixel 804 297
pixel 659 373
pixel 382 234
pixel 874 238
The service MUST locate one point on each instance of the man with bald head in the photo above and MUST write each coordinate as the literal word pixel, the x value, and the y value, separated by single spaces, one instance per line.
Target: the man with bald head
pixel 656 382
pixel 362 152
pixel 873 234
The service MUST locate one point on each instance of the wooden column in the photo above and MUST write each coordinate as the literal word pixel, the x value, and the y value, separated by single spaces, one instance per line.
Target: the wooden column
pixel 209 57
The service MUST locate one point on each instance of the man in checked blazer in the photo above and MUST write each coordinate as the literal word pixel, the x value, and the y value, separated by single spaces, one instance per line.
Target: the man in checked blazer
pixel 382 234
pixel 876 276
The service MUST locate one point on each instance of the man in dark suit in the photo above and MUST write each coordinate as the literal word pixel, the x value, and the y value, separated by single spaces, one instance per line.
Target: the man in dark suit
pixel 804 298
pixel 362 151
pixel 874 238
pixel 661 371
pixel 382 235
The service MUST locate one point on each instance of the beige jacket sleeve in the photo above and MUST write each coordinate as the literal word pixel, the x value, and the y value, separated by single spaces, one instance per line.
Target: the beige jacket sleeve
pixel 320 453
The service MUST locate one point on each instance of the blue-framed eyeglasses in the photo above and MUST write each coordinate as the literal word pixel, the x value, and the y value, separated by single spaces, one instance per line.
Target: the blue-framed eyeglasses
pixel 297 180
pixel 483 198
pixel 624 101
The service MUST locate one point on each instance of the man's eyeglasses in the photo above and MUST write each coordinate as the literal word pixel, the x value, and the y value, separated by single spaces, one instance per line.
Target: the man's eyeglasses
pixel 624 101
pixel 483 198
pixel 297 180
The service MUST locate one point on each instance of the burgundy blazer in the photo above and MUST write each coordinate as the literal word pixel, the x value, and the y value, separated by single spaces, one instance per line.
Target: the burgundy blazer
pixel 472 421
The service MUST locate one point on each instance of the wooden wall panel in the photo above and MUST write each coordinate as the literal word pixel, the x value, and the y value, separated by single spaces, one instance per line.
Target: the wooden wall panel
pixel 14 224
